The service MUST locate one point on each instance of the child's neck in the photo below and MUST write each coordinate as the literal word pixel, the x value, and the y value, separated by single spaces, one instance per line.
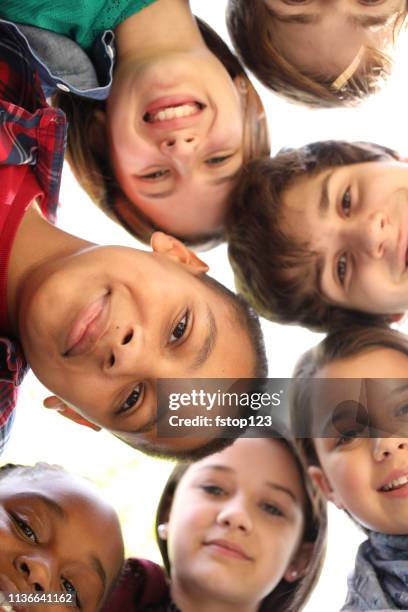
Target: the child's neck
pixel 164 25
pixel 201 601
pixel 36 244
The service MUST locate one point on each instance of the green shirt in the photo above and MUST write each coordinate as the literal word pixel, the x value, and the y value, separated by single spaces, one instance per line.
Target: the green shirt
pixel 80 20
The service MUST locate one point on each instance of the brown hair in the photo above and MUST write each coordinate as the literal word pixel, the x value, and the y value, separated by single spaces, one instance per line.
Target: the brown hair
pixel 266 262
pixel 250 25
pixel 88 156
pixel 286 597
pixel 338 345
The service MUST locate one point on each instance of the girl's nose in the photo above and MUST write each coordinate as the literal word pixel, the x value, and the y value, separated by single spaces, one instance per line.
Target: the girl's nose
pixel 384 448
pixel 234 515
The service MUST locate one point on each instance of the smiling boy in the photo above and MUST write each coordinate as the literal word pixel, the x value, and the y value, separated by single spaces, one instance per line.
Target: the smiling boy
pixel 99 325
pixel 330 239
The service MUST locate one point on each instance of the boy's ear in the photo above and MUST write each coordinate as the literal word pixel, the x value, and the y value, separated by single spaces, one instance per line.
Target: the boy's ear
pixel 176 250
pixel 299 565
pixel 55 403
pixel 320 480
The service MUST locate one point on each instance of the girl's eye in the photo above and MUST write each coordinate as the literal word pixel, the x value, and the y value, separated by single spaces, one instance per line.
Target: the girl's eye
pixel 25 528
pixel 272 509
pixel 346 202
pixel 156 175
pixel 134 398
pixel 342 268
pixel 347 437
pixel 213 490
pixel 69 588
pixel 180 329
pixel 213 161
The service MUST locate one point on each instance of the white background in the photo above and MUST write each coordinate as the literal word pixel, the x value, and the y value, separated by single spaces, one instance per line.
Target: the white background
pixel 131 481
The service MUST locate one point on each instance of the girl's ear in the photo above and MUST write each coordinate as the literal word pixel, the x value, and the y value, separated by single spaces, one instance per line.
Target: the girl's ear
pixel 300 563
pixel 320 480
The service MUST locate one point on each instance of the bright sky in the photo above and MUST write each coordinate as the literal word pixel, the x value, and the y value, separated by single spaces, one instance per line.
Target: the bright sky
pixel 131 481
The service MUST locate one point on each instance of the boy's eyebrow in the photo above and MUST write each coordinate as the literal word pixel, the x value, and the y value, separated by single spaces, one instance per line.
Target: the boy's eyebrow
pixel 209 342
pixel 324 201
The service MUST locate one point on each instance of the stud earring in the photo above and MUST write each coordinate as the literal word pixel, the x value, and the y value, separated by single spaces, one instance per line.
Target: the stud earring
pixel 162 531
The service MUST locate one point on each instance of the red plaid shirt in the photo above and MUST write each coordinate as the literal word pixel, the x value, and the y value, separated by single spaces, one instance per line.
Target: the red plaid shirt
pixel 32 143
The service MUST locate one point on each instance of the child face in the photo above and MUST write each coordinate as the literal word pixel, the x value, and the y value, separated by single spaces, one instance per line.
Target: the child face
pixel 311 33
pixel 56 535
pixel 101 326
pixel 244 525
pixel 355 218
pixel 368 475
pixel 175 127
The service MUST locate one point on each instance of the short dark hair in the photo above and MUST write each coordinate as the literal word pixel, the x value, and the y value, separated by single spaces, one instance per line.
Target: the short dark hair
pixel 251 28
pixel 287 597
pixel 340 344
pixel 266 262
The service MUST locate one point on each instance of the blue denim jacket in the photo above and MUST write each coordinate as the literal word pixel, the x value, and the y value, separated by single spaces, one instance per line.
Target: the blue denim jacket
pixel 64 65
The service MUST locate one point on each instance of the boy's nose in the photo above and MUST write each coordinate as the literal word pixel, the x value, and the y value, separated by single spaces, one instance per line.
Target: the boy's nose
pixel 368 235
pixel 384 448
pixel 123 351
pixel 36 570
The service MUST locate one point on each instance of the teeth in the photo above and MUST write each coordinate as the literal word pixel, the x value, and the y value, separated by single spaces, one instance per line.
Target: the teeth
pixel 173 112
pixel 394 484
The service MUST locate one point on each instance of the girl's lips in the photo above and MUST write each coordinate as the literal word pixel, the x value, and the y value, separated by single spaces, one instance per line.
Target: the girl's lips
pixel 227 549
pixel 168 101
pixel 88 327
pixel 396 484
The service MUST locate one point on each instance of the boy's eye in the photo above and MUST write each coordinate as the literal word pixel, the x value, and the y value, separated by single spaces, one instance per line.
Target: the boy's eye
pixel 346 202
pixel 271 509
pixel 25 528
pixel 180 329
pixel 342 268
pixel 156 175
pixel 134 398
pixel 69 588
pixel 213 161
pixel 213 490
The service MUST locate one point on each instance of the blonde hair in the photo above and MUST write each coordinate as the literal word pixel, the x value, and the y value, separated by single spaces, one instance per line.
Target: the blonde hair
pixel 250 31
pixel 88 155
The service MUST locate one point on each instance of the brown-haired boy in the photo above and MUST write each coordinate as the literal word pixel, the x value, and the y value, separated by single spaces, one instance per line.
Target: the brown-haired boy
pixel 98 324
pixel 318 236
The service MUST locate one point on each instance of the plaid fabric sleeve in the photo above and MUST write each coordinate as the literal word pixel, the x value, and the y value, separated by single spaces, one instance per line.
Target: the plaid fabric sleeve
pixel 13 368
pixel 31 132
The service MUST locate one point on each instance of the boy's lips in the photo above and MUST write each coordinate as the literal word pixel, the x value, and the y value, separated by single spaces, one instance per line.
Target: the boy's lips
pixel 89 326
pixel 228 549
